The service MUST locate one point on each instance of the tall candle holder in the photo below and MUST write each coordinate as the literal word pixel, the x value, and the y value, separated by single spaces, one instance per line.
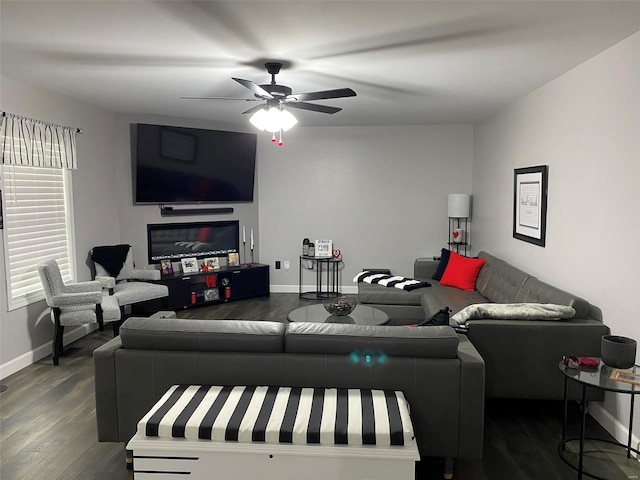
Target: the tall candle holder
pixel 244 246
pixel 252 245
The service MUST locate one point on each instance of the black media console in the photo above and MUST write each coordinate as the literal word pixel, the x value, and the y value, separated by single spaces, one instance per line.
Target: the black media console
pixel 209 288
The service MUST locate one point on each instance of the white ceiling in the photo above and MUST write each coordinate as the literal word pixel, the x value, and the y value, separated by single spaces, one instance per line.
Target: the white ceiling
pixel 418 62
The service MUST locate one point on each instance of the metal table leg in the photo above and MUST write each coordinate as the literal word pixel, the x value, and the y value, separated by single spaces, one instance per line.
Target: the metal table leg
pixel 583 407
pixel 564 417
pixel 319 278
pixel 633 397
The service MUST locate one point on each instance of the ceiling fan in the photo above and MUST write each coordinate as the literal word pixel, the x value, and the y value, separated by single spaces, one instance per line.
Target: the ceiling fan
pixel 271 116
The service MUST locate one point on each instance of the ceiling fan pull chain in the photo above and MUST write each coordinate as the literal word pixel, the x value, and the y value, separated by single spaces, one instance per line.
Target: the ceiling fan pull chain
pixel 280 143
pixel 273 137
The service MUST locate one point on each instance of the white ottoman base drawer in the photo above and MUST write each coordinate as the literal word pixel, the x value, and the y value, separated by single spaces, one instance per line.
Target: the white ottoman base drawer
pixel 161 458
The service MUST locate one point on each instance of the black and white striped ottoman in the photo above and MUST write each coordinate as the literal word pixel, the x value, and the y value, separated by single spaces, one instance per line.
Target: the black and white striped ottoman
pixel 276 433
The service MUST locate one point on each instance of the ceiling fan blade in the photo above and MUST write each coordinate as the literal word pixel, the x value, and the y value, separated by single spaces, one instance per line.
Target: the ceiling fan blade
pixel 222 98
pixel 323 95
pixel 254 109
pixel 313 107
pixel 258 90
pixel 449 32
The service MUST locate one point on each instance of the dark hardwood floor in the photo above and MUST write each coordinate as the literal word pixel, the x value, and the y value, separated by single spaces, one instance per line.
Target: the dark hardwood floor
pixel 48 431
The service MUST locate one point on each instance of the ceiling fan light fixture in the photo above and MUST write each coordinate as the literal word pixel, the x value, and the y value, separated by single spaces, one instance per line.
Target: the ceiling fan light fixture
pixel 273 120
pixel 258 119
pixel 287 120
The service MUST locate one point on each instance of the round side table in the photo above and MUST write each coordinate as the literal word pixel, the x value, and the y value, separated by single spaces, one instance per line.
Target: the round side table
pixel 599 378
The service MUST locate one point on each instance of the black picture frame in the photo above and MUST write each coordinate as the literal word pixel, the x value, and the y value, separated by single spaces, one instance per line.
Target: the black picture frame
pixel 530 188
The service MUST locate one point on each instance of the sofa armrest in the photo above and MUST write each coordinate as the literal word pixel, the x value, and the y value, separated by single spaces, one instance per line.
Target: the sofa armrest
pixel 145 274
pixel 76 299
pixel 471 400
pixel 424 268
pixel 106 393
pixel 80 287
pixel 106 282
pixel 522 356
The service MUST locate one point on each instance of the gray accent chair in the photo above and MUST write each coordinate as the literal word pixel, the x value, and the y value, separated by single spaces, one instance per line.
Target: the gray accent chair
pixel 74 304
pixel 129 285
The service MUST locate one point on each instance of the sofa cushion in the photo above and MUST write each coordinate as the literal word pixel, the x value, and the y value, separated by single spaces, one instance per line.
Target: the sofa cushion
pixel 202 335
pixel 425 268
pixel 440 296
pixel 133 292
pixel 368 293
pixel 500 282
pixel 444 260
pixel 339 339
pixel 462 272
pixel 536 291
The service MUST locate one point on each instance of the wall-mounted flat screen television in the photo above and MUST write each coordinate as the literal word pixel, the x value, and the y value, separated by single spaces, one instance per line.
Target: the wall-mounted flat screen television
pixel 175 241
pixel 177 165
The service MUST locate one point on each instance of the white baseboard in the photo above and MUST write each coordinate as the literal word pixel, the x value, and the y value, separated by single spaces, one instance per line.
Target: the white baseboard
pixel 284 288
pixel 616 429
pixel 308 288
pixel 42 351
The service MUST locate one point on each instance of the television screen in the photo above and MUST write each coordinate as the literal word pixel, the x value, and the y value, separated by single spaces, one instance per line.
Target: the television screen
pixel 177 165
pixel 175 241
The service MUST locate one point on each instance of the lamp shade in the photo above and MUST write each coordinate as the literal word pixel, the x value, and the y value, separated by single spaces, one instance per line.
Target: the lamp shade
pixel 459 205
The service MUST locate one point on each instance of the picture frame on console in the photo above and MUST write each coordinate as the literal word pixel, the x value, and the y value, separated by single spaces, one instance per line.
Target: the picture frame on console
pixel 189 265
pixel 530 186
pixel 166 267
pixel 212 263
pixel 233 259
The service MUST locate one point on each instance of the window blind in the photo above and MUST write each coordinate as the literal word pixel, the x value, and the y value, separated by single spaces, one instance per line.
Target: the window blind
pixel 37 223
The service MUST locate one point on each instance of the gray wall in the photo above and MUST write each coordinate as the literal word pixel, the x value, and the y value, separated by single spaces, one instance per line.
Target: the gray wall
pixel 586 126
pixel 379 193
pixel 25 333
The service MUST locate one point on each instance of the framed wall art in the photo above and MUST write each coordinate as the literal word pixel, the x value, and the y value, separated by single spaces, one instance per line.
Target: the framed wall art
pixel 323 248
pixel 530 204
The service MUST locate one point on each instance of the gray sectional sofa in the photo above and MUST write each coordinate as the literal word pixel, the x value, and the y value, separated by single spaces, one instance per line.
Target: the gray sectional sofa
pixel 521 356
pixel 440 373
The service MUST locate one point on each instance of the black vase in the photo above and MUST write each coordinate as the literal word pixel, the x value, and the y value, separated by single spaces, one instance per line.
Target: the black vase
pixel 617 351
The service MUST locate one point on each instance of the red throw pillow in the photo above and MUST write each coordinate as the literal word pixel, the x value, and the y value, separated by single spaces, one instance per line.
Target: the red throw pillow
pixel 462 272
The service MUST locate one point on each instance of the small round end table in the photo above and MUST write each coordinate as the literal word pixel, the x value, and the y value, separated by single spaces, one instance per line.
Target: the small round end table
pixel 599 377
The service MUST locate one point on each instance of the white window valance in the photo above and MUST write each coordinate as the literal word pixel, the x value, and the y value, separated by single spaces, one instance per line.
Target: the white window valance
pixel 29 142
